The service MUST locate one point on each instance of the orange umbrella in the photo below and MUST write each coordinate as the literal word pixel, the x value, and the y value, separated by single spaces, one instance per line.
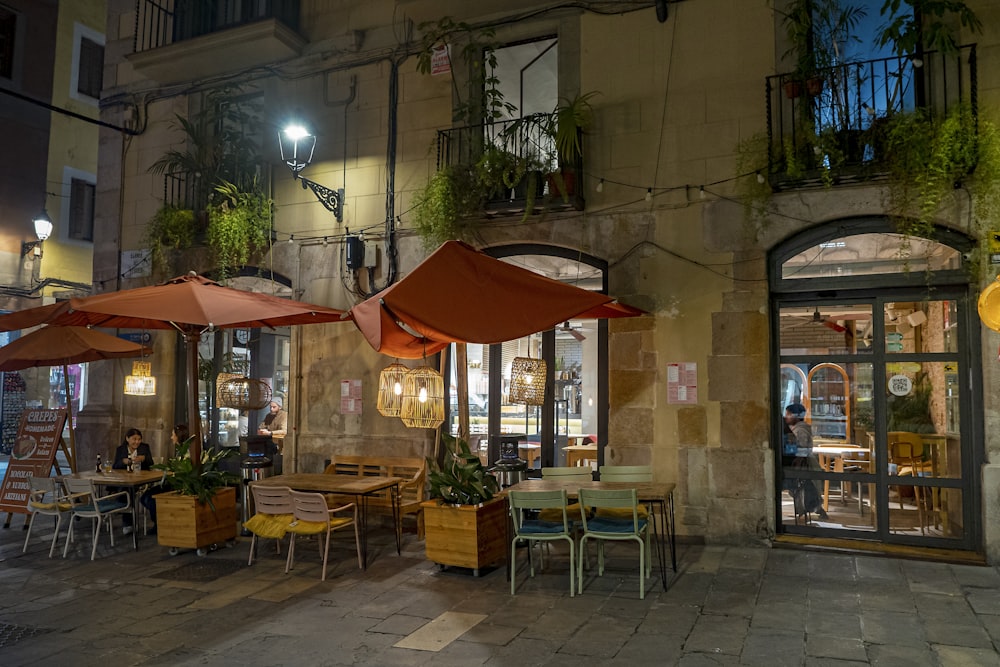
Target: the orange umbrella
pixel 54 346
pixel 459 294
pixel 190 304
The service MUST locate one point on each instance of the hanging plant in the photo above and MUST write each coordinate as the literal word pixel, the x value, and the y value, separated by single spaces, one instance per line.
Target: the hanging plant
pixel 239 226
pixel 444 209
pixel 171 228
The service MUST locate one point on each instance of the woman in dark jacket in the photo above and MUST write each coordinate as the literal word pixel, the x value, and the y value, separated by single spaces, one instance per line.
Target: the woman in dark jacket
pixel 134 452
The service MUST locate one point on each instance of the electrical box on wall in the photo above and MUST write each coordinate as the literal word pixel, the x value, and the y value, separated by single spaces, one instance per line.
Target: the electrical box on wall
pixel 371 255
pixel 355 251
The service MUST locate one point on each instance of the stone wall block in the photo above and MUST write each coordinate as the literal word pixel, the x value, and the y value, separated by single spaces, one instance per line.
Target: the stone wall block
pixel 735 474
pixel 630 426
pixel 744 424
pixel 692 425
pixel 739 333
pixel 737 378
pixel 626 353
pixel 632 388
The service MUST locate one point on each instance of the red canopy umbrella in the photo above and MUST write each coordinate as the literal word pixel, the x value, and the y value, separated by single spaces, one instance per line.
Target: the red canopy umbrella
pixel 54 346
pixel 190 304
pixel 459 294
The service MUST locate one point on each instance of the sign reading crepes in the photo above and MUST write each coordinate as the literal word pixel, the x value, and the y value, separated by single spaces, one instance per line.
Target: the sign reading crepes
pixel 33 453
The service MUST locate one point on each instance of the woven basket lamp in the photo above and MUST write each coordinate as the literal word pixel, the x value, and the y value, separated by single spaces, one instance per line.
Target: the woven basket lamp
pixel 390 389
pixel 243 394
pixel 423 398
pixel 141 382
pixel 527 381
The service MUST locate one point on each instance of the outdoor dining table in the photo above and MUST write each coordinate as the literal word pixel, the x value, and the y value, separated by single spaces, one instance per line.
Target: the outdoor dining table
pixel 659 494
pixel 362 488
pixel 130 481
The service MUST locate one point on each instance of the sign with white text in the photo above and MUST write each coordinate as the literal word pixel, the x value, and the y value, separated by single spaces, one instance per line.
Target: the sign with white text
pixel 33 453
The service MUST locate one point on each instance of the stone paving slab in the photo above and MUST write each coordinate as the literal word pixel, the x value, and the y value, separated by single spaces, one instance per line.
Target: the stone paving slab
pixel 726 606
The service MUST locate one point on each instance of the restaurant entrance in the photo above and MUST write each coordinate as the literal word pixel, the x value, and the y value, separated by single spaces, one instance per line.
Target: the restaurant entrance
pixel 573 412
pixel 875 351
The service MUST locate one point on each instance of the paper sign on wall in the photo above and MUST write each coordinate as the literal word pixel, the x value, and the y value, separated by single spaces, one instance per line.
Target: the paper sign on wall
pixel 350 397
pixel 682 383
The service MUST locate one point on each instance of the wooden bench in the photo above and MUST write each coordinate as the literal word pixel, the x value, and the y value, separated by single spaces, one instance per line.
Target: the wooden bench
pixel 411 491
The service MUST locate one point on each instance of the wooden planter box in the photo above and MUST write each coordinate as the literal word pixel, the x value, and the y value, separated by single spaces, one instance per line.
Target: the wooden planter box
pixel 471 536
pixel 183 522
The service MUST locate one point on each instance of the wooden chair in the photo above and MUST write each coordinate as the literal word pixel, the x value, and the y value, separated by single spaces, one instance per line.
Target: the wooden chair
pixel 540 530
pixel 82 494
pixel 273 511
pixel 46 496
pixel 311 516
pixel 604 528
pixel 906 453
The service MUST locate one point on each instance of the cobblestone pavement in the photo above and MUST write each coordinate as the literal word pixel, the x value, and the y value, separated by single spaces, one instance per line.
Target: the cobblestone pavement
pixel 725 606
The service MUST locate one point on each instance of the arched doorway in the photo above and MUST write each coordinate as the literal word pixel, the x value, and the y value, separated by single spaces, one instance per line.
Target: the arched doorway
pixel 875 336
pixel 575 407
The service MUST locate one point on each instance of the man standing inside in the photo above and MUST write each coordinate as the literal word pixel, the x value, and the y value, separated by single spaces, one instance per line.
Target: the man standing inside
pixel 804 492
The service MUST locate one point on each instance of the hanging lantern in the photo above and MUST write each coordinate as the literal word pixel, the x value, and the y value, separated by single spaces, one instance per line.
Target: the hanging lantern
pixel 423 398
pixel 527 381
pixel 140 382
pixel 390 389
pixel 242 393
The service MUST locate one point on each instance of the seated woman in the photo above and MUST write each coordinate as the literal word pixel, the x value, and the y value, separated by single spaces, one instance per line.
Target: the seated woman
pixel 135 452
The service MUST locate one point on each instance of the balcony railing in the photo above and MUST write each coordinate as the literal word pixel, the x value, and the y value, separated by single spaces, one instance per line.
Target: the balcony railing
pixel 162 22
pixel 522 146
pixel 833 117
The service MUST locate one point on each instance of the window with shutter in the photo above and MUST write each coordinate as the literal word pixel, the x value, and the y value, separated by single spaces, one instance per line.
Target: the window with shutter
pixel 91 72
pixel 81 210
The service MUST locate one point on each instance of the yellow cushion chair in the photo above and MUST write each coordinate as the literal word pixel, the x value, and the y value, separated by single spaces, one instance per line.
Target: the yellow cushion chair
pixel 625 474
pixel 47 497
pixel 311 516
pixel 273 510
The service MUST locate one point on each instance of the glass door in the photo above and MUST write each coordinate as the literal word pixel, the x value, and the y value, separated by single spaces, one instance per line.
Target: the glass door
pixel 882 409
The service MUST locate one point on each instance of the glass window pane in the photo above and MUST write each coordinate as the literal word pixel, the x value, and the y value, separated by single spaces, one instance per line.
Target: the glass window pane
pixel 871 254
pixel 922 417
pixel 925 510
pixel 921 326
pixel 822 330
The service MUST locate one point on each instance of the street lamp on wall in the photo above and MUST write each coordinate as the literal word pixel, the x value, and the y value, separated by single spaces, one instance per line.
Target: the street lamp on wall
pixel 43 229
pixel 297 145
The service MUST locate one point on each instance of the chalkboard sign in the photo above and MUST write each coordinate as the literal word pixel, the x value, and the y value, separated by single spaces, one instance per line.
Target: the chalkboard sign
pixel 33 453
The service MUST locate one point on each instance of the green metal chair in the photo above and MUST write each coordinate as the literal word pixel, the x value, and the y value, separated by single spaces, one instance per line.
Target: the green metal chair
pixel 539 530
pixel 605 528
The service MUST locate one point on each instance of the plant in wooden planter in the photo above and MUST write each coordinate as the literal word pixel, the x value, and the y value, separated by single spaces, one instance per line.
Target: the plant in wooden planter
pixel 201 508
pixel 465 525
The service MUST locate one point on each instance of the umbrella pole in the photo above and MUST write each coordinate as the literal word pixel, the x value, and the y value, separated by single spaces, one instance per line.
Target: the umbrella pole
pixel 69 411
pixel 191 340
pixel 462 389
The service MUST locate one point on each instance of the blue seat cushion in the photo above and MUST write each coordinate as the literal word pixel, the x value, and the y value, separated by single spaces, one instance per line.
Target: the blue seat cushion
pixel 603 524
pixel 543 527
pixel 103 506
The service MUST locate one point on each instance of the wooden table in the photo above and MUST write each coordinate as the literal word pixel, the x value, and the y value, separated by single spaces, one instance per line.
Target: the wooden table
pixel 650 493
pixel 130 481
pixel 531 451
pixel 576 455
pixel 352 485
pixel 831 459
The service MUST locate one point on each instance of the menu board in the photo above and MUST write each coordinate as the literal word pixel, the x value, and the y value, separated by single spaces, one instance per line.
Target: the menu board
pixel 33 453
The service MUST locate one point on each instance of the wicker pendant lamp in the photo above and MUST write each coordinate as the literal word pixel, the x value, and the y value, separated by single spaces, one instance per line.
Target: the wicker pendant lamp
pixel 423 398
pixel 141 382
pixel 242 393
pixel 390 389
pixel 527 381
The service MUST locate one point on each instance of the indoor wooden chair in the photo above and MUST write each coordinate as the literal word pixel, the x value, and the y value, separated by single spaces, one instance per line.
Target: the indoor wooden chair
pixel 906 453
pixel 311 516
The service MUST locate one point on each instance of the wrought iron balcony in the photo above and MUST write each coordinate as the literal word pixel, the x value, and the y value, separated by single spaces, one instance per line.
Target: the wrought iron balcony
pixel 515 163
pixel 163 22
pixel 831 121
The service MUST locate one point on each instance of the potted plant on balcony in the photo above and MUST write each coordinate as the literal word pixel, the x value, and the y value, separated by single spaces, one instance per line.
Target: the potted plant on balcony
pixel 465 523
pixel 816 32
pixel 200 510
pixel 570 119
